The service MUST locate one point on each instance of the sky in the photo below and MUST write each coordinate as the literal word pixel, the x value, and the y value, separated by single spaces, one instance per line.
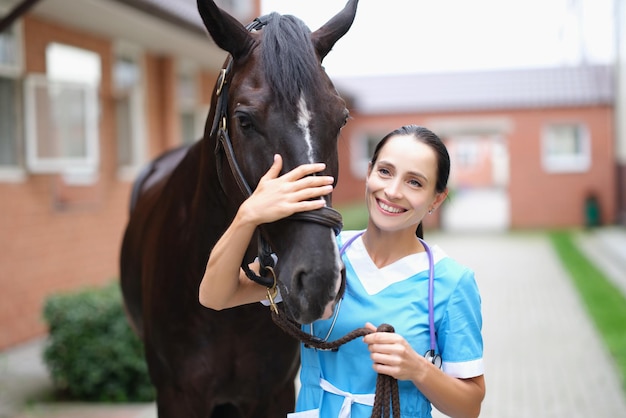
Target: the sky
pixel 421 36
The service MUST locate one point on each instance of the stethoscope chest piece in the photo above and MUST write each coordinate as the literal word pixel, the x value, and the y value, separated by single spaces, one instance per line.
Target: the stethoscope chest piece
pixel 433 358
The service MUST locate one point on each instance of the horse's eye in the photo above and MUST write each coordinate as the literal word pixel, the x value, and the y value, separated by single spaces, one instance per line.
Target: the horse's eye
pixel 346 118
pixel 244 122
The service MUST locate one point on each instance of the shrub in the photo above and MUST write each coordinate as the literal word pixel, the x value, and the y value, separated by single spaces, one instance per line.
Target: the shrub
pixel 92 354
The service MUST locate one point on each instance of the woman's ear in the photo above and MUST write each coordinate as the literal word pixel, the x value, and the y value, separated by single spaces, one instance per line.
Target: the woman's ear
pixel 439 198
pixel 369 168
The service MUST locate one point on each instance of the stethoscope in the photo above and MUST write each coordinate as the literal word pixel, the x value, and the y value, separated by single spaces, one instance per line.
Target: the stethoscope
pixel 431 355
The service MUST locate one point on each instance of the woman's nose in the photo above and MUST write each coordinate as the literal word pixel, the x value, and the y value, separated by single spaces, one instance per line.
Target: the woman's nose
pixel 393 190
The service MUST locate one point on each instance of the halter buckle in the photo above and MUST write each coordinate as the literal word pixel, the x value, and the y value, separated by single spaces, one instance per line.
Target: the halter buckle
pixel 272 292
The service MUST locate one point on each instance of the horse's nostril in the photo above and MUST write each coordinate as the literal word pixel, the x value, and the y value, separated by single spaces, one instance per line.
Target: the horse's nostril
pixel 342 284
pixel 299 280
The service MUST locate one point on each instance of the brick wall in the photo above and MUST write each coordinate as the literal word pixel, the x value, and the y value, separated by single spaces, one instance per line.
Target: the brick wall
pixel 56 237
pixel 540 199
pixel 537 199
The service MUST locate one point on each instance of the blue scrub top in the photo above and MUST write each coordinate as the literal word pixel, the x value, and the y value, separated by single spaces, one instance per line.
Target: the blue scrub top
pixel 397 294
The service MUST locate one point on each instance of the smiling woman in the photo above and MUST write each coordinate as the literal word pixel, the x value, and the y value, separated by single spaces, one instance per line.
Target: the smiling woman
pixel 402 186
pixel 393 277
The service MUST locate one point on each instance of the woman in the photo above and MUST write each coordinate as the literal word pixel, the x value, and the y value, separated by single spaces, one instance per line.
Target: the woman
pixel 387 274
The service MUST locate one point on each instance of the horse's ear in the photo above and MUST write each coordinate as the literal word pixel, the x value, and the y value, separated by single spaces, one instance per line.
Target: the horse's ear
pixel 227 32
pixel 325 37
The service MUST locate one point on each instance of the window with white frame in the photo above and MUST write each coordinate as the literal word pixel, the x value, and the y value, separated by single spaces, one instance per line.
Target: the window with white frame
pixel 11 104
pixel 566 148
pixel 129 110
pixel 62 114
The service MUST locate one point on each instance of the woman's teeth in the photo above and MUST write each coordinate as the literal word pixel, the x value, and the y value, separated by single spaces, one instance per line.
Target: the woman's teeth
pixel 388 208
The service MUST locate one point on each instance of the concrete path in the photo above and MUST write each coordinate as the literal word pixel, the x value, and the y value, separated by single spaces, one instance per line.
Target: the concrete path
pixel 543 356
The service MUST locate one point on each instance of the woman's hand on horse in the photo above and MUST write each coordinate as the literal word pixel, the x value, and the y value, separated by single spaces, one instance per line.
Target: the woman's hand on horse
pixel 296 191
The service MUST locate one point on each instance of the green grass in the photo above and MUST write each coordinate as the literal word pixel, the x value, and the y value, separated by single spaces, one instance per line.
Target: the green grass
pixel 354 216
pixel 605 303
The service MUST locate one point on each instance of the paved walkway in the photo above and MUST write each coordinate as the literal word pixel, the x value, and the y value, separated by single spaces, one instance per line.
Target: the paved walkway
pixel 543 356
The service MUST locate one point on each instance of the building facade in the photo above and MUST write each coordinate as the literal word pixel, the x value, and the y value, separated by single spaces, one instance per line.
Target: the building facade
pixel 90 91
pixel 530 148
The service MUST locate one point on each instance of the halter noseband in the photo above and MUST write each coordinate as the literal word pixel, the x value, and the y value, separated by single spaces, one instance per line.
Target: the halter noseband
pixel 325 216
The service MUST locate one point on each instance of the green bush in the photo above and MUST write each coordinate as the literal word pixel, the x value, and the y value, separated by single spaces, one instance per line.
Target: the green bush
pixel 92 354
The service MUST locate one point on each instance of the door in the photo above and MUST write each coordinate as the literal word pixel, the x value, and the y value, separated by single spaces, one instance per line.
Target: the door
pixel 478 184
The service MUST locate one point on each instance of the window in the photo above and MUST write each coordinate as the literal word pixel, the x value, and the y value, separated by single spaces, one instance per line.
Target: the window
pixel 363 148
pixel 11 104
pixel 9 128
pixel 129 111
pixel 467 151
pixel 566 148
pixel 11 50
pixel 62 113
pixel 192 115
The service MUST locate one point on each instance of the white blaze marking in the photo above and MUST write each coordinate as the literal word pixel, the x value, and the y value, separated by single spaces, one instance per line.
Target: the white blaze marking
pixel 304 120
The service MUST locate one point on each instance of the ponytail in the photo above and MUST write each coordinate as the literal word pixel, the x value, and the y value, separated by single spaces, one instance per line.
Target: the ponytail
pixel 420 231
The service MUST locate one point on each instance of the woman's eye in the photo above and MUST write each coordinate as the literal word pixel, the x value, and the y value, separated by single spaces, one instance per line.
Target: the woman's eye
pixel 415 183
pixel 384 172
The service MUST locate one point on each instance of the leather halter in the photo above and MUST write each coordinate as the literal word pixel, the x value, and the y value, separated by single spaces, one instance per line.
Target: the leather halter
pixel 325 216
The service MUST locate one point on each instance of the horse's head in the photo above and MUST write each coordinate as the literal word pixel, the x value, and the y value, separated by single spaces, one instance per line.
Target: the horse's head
pixel 279 100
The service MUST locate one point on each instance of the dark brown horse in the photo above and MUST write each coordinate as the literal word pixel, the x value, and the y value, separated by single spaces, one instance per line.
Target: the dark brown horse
pixel 273 96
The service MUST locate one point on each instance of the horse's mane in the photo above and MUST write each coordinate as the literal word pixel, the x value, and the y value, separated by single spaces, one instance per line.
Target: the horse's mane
pixel 289 59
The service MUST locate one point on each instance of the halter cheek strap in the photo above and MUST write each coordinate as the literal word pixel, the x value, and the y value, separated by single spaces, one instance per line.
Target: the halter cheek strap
pixel 224 147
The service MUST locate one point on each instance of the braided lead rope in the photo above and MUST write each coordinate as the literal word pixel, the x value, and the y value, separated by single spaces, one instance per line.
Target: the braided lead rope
pixel 388 387
pixel 386 396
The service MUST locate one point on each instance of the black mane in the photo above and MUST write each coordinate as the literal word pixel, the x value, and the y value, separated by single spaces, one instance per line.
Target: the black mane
pixel 289 58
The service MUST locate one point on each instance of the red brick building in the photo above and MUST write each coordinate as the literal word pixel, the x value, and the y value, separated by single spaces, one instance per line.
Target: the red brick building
pixel 90 91
pixel 528 147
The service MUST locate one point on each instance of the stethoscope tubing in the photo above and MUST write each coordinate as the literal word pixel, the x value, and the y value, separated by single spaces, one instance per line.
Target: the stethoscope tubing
pixel 431 294
pixel 431 354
